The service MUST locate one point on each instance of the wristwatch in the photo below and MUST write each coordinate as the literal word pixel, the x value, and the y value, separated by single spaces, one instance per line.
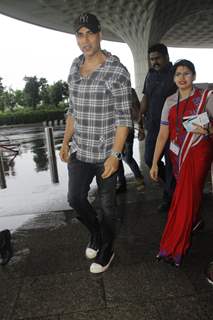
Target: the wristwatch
pixel 116 154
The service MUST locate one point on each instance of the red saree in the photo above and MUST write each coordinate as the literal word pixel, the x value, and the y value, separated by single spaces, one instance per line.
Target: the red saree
pixel 190 168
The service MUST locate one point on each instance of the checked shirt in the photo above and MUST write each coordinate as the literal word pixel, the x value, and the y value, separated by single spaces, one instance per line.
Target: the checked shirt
pixel 98 103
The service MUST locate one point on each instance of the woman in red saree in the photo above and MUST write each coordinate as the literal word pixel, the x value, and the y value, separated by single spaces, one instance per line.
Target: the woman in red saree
pixel 191 153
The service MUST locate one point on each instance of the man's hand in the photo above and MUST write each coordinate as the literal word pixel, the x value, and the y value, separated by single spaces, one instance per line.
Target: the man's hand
pixel 110 166
pixel 154 172
pixel 64 152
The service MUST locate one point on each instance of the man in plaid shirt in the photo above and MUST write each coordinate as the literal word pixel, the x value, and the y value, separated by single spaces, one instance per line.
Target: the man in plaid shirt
pixel 97 125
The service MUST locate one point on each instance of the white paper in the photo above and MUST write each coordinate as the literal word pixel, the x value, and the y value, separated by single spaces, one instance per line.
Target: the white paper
pixel 174 148
pixel 201 119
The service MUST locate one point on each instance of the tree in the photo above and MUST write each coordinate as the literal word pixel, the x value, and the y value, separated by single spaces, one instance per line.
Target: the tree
pixel 1 86
pixel 9 99
pixel 58 92
pixel 1 95
pixel 19 97
pixel 44 91
pixel 31 92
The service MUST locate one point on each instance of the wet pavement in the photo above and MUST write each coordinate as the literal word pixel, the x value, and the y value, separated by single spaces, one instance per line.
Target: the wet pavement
pixel 30 190
pixel 48 277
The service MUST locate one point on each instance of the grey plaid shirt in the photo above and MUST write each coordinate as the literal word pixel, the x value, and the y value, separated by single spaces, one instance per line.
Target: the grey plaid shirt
pixel 98 103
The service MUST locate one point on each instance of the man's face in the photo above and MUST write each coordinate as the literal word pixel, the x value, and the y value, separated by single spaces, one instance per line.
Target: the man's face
pixel 158 60
pixel 88 42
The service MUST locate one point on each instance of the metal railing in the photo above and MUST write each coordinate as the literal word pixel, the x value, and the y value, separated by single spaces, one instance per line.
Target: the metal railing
pixel 7 150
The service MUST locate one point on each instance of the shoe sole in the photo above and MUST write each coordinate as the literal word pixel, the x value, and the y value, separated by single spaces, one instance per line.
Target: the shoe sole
pixel 103 269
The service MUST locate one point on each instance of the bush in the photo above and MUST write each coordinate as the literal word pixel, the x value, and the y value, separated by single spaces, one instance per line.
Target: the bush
pixel 31 116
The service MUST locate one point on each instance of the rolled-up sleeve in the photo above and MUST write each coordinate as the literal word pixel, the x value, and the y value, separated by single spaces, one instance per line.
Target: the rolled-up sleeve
pixel 122 96
pixel 70 108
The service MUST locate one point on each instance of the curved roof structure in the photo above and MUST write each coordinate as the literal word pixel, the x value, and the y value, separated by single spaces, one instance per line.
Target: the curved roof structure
pixel 176 22
pixel 183 23
pixel 139 23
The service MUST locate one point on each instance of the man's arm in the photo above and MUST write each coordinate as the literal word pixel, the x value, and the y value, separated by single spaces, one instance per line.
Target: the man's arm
pixel 135 108
pixel 143 109
pixel 112 163
pixel 69 130
pixel 143 106
pixel 122 96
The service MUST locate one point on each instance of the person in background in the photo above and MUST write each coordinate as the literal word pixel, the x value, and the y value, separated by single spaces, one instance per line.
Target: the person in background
pixel 97 125
pixel 127 154
pixel 191 154
pixel 158 86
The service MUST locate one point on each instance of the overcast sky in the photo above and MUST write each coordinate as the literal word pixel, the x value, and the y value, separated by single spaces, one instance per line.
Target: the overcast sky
pixel 30 50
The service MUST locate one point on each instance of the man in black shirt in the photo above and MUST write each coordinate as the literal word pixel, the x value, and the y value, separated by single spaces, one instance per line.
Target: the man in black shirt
pixel 158 86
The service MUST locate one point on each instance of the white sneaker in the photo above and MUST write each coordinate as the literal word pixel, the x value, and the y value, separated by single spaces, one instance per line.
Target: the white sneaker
pixel 91 253
pixel 93 246
pixel 98 268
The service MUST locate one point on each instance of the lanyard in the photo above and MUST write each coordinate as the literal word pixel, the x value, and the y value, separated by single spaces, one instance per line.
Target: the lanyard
pixel 182 114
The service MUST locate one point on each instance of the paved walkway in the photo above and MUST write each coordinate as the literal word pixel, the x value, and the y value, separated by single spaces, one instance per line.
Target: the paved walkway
pixel 48 277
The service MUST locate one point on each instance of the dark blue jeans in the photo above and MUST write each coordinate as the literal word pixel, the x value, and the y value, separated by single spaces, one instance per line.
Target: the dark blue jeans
pixel 128 158
pixel 81 175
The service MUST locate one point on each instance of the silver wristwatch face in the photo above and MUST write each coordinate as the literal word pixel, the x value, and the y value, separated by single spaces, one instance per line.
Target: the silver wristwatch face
pixel 116 154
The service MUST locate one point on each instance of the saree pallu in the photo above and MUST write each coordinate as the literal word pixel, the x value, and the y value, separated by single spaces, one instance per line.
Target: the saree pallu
pixel 190 169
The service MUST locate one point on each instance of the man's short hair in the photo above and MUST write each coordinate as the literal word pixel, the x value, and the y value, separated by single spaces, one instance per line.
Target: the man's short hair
pixel 159 47
pixel 89 21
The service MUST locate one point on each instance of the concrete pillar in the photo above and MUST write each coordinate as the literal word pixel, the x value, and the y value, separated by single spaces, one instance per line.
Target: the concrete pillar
pixel 139 44
pixel 139 47
pixel 140 66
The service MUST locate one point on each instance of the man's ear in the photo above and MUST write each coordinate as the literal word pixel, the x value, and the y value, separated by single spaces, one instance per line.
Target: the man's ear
pixel 194 77
pixel 100 35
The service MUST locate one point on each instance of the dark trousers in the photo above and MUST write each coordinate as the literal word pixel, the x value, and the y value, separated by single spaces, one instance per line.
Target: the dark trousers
pixel 128 158
pixel 81 175
pixel 165 170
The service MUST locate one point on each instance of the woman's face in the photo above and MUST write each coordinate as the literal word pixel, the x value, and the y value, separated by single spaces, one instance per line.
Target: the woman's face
pixel 184 78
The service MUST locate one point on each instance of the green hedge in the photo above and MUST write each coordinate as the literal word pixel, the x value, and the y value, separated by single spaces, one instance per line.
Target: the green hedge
pixel 30 116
